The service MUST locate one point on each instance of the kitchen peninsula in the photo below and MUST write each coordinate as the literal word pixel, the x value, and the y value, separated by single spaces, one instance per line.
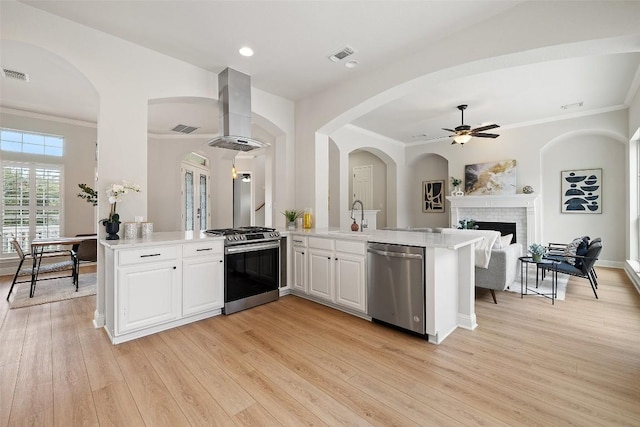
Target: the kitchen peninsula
pixel 173 278
pixel 158 282
pixel 328 267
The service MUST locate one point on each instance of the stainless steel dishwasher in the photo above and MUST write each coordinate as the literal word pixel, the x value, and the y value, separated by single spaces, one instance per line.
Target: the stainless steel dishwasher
pixel 395 281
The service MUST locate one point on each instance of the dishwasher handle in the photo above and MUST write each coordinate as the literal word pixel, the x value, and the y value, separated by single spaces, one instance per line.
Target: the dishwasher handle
pixel 394 254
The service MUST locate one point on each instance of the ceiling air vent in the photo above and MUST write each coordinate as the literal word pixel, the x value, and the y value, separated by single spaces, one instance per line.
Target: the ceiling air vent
pixel 12 74
pixel 342 53
pixel 184 129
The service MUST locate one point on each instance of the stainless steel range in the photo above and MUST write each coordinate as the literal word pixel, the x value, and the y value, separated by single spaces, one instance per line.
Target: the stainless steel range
pixel 252 266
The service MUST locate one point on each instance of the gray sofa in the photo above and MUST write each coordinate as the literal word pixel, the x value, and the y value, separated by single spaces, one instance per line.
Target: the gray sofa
pixel 502 269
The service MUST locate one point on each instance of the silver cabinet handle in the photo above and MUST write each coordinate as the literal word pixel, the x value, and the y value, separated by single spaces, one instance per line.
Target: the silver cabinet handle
pixel 394 254
pixel 204 249
pixel 149 255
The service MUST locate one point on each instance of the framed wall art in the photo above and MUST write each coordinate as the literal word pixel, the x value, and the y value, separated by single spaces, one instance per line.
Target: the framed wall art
pixel 490 178
pixel 433 196
pixel 581 191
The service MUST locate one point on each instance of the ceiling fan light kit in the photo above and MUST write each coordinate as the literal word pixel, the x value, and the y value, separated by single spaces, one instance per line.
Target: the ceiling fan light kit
pixel 463 133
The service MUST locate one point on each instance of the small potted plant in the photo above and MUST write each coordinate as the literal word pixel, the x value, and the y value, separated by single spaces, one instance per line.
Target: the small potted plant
pixel 467 224
pixel 291 216
pixel 456 187
pixel 537 251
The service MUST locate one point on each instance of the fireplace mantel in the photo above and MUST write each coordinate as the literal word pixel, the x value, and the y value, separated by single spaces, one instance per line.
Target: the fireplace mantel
pixel 529 202
pixel 506 201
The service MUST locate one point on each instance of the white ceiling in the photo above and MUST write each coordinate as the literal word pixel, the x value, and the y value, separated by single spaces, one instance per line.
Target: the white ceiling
pixel 292 40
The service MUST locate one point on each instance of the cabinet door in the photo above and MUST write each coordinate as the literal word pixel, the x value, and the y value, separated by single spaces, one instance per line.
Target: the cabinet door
pixel 321 274
pixel 147 295
pixel 300 269
pixel 350 281
pixel 202 284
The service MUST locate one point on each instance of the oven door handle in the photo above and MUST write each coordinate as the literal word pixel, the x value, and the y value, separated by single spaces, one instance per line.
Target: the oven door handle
pixel 251 247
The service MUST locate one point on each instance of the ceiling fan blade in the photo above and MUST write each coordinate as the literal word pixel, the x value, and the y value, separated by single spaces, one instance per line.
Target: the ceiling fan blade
pixel 449 130
pixel 485 135
pixel 487 127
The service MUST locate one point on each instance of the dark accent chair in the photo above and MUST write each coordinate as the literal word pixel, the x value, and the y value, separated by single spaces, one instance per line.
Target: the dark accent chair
pixel 585 271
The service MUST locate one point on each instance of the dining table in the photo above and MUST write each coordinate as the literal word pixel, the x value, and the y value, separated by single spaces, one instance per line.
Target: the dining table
pixel 38 252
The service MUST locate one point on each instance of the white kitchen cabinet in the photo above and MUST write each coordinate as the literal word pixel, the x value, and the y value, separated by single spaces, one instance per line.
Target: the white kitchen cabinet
pixel 350 287
pixel 321 273
pixel 147 295
pixel 151 288
pixel 299 254
pixel 320 263
pixel 202 277
pixel 336 272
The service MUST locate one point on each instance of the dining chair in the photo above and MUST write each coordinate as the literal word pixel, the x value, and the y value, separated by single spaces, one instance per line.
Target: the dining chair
pixel 70 264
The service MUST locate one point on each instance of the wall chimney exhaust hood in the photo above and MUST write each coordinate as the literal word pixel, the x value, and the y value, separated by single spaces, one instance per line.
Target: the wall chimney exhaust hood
pixel 234 102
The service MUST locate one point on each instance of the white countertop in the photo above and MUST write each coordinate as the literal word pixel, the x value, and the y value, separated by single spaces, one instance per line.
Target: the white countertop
pixel 160 237
pixel 411 238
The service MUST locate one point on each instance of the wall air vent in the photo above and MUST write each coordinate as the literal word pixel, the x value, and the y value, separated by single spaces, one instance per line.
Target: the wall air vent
pixel 342 53
pixel 12 74
pixel 184 129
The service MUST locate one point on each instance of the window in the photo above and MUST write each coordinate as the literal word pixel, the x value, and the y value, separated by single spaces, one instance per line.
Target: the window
pixel 31 143
pixel 31 203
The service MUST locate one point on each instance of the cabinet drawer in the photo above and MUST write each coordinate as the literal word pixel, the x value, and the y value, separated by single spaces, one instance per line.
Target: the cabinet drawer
pixel 144 255
pixel 350 247
pixel 202 248
pixel 299 241
pixel 318 243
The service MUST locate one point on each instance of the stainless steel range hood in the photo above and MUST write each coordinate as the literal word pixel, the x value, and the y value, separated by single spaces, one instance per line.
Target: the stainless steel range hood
pixel 234 101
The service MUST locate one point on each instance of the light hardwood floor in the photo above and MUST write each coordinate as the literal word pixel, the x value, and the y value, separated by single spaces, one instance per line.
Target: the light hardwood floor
pixel 294 362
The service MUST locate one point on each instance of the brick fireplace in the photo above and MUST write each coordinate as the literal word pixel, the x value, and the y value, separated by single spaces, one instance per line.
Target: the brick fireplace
pixel 523 209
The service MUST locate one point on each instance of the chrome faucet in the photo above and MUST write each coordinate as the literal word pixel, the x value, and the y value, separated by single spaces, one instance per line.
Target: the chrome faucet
pixel 362 224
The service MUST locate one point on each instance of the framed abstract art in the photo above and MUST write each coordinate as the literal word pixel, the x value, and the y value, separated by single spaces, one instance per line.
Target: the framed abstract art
pixel 581 191
pixel 433 196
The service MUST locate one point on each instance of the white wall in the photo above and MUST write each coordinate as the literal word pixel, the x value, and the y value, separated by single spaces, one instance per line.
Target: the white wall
pixel 427 167
pixel 79 163
pixel 586 152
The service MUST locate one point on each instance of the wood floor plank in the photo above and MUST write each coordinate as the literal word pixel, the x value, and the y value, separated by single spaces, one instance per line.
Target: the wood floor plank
pixel 205 366
pixel 153 400
pixel 72 396
pixel 255 416
pixel 196 403
pixel 33 398
pixel 277 402
pixel 12 336
pixel 115 406
pixel 102 367
pixel 8 379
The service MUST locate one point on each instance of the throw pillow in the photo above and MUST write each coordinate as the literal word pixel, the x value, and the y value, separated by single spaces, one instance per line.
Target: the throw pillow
pixel 581 251
pixel 571 249
pixel 497 244
pixel 506 240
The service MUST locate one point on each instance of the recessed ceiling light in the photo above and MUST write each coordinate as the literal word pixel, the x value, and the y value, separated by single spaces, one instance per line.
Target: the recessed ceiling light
pixel 246 51
pixel 351 64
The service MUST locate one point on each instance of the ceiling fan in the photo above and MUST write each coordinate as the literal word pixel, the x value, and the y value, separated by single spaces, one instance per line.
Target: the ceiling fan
pixel 463 133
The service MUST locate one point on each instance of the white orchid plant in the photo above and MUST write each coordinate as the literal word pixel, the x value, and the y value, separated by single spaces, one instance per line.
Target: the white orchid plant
pixel 115 193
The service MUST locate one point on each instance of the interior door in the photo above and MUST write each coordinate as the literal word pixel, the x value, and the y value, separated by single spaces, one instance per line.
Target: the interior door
pixel 362 185
pixel 196 197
